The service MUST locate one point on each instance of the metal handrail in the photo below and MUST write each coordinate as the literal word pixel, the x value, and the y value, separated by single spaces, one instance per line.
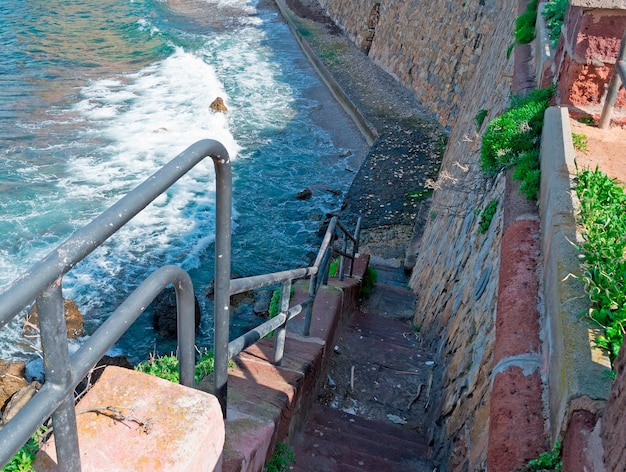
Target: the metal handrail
pixel 279 323
pixel 43 284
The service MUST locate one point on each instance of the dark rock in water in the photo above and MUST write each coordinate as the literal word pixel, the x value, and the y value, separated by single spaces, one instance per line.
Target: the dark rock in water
pixel 164 309
pixel 304 194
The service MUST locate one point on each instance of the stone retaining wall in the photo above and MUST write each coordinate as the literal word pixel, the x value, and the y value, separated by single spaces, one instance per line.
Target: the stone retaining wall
pixel 452 54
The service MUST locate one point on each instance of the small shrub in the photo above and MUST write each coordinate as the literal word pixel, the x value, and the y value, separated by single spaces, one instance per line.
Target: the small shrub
pixel 513 138
pixel 369 280
pixel 164 367
pixel 525 24
pixel 554 14
pixel 280 461
pixel 547 461
pixel 487 216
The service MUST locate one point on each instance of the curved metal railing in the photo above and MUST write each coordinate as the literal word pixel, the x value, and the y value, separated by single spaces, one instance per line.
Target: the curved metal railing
pixel 42 283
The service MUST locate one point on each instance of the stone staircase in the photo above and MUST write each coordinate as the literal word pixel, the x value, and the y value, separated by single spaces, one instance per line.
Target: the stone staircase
pixel 370 414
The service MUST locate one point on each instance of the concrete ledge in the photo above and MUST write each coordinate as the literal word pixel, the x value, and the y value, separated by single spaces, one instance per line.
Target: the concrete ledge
pixel 131 421
pixel 577 372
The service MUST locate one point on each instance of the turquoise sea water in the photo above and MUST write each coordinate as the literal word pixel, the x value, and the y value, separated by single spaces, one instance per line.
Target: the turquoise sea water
pixel 96 95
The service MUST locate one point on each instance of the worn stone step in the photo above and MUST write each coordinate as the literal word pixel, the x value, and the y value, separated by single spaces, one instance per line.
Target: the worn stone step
pixel 334 440
pixel 331 418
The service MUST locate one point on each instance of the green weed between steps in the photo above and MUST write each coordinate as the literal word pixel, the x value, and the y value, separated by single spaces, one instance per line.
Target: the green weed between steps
pixel 513 139
pixel 367 284
pixel 554 14
pixel 525 24
pixel 603 217
pixel 280 461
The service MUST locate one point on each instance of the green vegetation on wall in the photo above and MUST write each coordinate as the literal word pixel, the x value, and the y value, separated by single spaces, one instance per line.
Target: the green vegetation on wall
pixel 525 24
pixel 513 139
pixel 554 14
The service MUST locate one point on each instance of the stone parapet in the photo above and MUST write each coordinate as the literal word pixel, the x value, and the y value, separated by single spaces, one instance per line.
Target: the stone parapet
pixel 578 373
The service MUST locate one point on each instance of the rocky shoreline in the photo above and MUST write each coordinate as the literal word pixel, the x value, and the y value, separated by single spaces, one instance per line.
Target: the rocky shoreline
pixel 390 190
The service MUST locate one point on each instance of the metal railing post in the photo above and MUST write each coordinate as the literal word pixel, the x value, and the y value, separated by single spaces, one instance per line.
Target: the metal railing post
pixel 221 315
pixel 56 359
pixel 281 333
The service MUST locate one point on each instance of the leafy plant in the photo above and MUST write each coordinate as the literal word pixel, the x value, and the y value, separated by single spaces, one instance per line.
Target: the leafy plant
pixel 487 216
pixel 369 280
pixel 280 461
pixel 525 24
pixel 166 367
pixel 547 461
pixel 513 138
pixel 554 14
pixel 23 459
pixel 579 141
pixel 603 216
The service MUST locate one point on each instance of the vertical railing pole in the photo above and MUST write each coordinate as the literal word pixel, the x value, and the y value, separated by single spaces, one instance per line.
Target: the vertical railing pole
pixel 355 245
pixel 281 333
pixel 221 300
pixel 56 359
pixel 309 309
pixel 186 328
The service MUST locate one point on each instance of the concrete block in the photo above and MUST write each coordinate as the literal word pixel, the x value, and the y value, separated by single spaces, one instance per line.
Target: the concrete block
pixel 130 421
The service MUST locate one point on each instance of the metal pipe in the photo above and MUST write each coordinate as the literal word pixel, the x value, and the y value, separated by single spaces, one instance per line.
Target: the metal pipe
pixel 281 331
pixel 221 300
pixel 614 85
pixel 56 359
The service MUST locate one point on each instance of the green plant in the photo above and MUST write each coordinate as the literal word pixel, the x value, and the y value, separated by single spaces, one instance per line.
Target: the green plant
pixel 513 139
pixel 487 216
pixel 479 118
pixel 527 171
pixel 525 24
pixel 367 284
pixel 369 280
pixel 432 214
pixel 166 367
pixel 579 141
pixel 603 217
pixel 547 461
pixel 23 459
pixel 280 461
pixel 554 14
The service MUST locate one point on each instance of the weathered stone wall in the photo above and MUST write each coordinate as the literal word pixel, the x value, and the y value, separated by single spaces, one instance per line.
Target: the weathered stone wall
pixel 437 48
pixel 454 56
